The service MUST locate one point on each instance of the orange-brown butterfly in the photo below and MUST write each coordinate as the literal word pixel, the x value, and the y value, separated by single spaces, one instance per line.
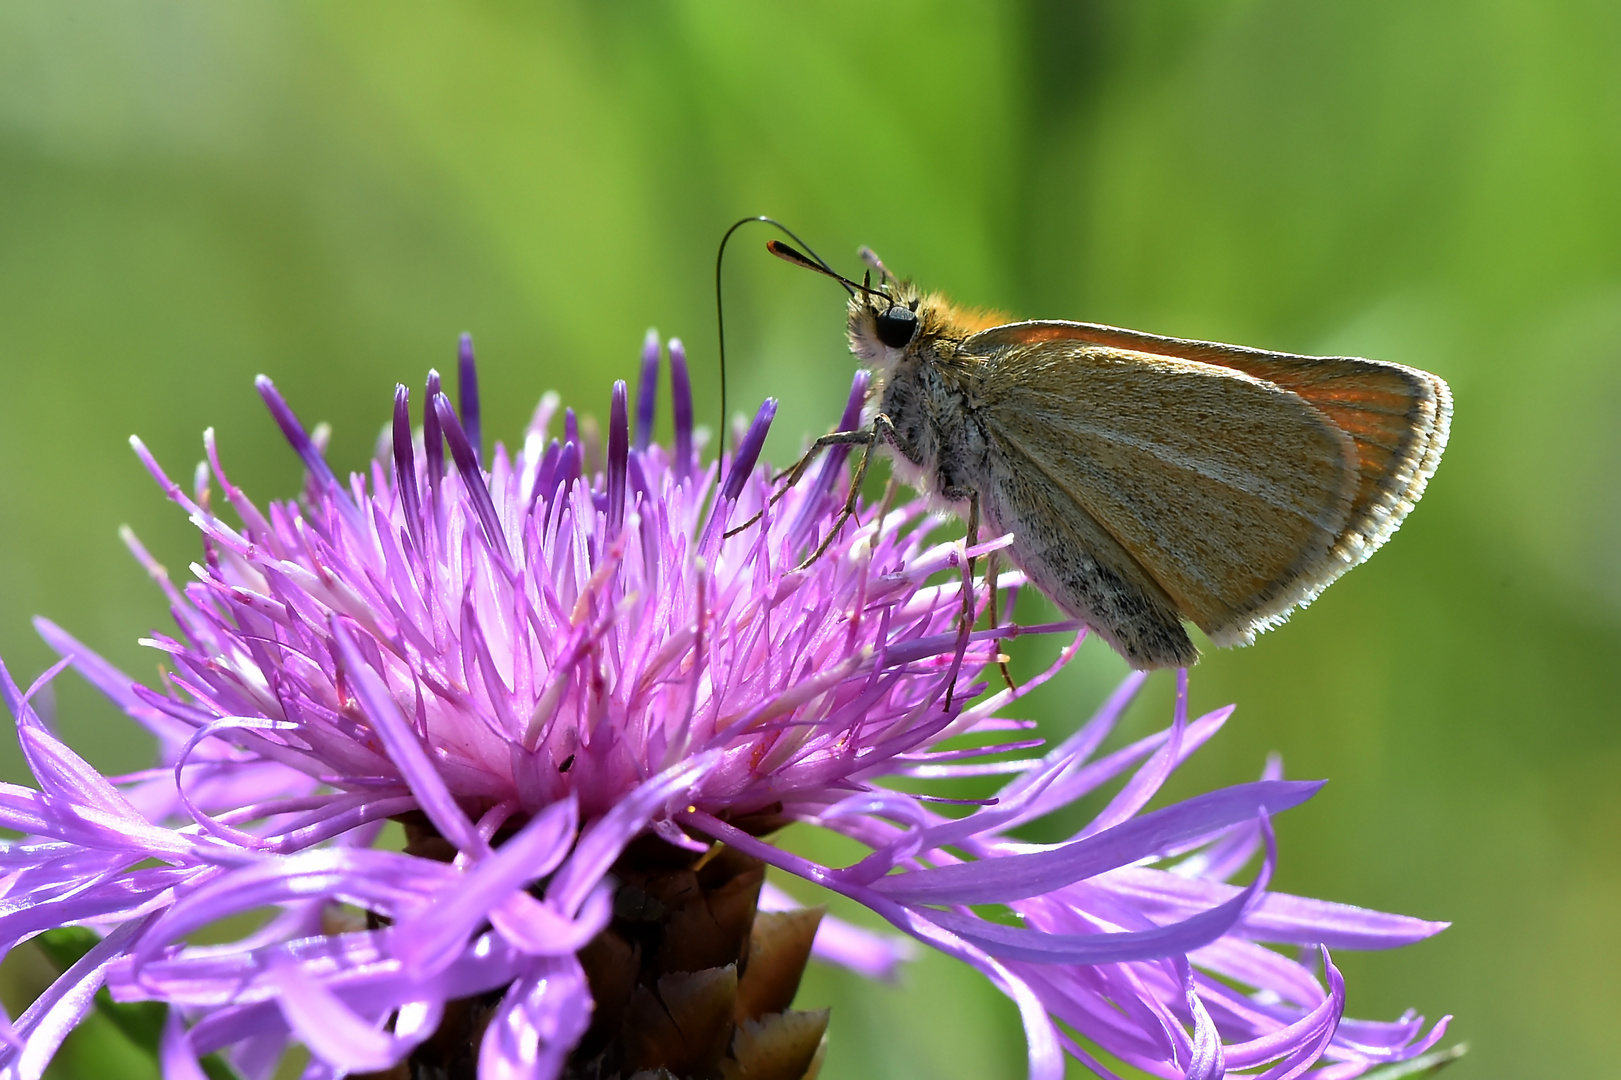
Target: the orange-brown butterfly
pixel 1146 480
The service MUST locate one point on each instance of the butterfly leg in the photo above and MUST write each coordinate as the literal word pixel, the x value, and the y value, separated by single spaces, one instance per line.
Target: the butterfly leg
pixel 880 431
pixel 891 489
pixel 971 542
pixel 992 571
pixel 966 622
pixel 860 437
pixel 796 472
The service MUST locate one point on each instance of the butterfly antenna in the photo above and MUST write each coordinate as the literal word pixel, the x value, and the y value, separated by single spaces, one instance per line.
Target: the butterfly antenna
pixel 813 262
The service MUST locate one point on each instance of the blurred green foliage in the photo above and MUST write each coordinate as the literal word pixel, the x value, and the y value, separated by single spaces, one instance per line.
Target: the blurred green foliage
pixel 193 193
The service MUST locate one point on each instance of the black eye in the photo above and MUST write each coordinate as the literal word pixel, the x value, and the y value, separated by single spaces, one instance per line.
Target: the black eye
pixel 896 327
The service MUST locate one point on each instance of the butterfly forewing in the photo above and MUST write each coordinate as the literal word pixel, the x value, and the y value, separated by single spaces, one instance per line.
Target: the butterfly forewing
pixel 1225 490
pixel 1397 416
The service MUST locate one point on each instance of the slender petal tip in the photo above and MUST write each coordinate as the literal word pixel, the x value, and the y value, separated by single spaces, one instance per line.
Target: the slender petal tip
pixel 748 450
pixel 681 410
pixel 467 391
pixel 618 457
pixel 647 391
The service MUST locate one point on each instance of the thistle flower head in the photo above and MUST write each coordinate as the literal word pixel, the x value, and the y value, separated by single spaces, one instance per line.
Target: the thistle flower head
pixel 590 678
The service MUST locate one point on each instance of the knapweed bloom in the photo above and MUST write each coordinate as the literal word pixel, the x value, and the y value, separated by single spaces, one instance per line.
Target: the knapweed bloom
pixel 591 689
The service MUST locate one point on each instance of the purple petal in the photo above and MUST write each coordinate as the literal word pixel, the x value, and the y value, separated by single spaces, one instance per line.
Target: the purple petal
pixel 306 449
pixel 61 773
pixel 175 1054
pixel 110 681
pixel 685 462
pixel 831 470
pixel 748 450
pixel 436 935
pixel 647 391
pixel 538 1022
pixel 330 1028
pixel 1016 943
pixel 986 821
pixel 295 434
pixel 461 451
pixel 404 748
pixel 601 844
pixel 618 458
pixel 405 469
pixel 1087 778
pixel 1012 877
pixel 538 928
pixel 1088 737
pixel 1148 779
pixel 849 421
pixel 1046 1058
pixel 546 473
pixel 433 442
pixel 358 966
pixel 1208 1061
pixel 467 391
pixel 45 1023
pixel 396 884
pixel 1276 917
pixel 1300 1043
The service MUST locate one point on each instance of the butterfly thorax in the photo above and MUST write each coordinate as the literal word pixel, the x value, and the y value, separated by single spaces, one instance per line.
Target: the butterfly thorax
pixel 926 387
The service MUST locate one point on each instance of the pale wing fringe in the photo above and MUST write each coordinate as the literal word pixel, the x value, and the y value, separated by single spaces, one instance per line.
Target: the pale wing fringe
pixel 1371 525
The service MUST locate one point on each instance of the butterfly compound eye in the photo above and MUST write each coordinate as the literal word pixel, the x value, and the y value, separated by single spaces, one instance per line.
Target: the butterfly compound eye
pixel 896 327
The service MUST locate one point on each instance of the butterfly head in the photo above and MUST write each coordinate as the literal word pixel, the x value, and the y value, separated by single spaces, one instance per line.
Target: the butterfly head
pixel 891 320
pixel 890 323
pixel 889 326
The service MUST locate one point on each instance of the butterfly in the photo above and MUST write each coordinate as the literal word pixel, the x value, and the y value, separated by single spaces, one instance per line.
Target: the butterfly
pixel 1147 481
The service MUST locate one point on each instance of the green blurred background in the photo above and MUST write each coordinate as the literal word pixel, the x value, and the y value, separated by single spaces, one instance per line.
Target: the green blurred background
pixel 193 193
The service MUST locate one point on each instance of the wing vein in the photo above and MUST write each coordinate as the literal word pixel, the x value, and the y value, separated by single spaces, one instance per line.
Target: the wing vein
pixel 1103 522
pixel 1249 483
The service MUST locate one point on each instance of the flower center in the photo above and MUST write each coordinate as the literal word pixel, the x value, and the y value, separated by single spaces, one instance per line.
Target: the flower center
pixel 689 980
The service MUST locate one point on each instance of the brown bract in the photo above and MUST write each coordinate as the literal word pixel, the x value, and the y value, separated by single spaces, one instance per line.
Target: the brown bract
pixel 691 979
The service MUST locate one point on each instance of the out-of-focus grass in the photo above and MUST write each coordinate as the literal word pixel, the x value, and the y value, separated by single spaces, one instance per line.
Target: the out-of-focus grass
pixel 192 194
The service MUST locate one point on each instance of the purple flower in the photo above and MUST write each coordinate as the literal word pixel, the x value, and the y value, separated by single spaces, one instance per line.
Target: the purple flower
pixel 567 673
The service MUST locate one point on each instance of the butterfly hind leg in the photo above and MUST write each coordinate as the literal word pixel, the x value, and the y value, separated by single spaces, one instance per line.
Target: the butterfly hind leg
pixel 993 570
pixel 971 541
pixel 965 622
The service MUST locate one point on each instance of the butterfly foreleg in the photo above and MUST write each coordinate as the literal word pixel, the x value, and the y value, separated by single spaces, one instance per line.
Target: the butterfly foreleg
pixel 796 472
pixel 881 430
